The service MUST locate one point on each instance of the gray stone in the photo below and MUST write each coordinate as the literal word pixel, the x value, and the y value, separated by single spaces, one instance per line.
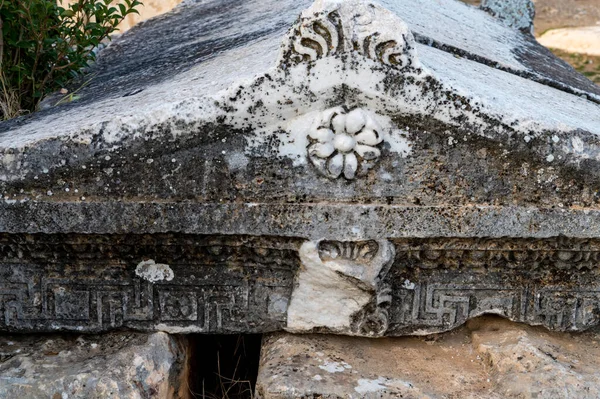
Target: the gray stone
pixel 116 365
pixel 490 358
pixel 366 169
pixel 518 14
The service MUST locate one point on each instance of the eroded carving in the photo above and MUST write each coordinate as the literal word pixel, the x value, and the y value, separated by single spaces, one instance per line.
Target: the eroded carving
pixel 558 253
pixel 363 251
pixel 90 283
pixel 330 28
pixel 344 143
pixel 354 300
pixel 317 37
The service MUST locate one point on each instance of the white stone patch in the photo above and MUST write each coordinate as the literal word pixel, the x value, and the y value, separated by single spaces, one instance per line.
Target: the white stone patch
pixel 151 271
pixel 369 386
pixel 179 330
pixel 323 297
pixel 335 367
pixel 236 161
pixel 577 143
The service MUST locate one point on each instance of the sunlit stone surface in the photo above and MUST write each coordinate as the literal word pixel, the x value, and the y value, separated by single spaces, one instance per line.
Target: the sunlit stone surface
pixel 369 169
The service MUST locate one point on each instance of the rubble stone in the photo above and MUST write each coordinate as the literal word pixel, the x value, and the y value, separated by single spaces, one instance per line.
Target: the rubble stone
pixel 489 358
pixel 116 365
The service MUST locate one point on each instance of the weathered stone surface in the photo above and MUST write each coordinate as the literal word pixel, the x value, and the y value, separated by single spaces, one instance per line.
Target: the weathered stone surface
pixel 116 365
pixel 421 165
pixel 518 14
pixel 489 358
pixel 169 282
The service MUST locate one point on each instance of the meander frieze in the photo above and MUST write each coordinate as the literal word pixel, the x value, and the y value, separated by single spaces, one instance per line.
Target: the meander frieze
pixel 226 284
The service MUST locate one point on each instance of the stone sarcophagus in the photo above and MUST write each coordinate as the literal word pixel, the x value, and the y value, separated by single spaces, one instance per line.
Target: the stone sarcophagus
pixel 367 168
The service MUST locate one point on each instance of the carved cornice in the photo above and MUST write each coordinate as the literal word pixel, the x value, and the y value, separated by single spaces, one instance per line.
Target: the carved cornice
pixel 558 253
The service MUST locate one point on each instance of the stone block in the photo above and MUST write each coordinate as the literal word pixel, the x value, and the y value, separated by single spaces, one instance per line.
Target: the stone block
pixel 489 358
pixel 115 365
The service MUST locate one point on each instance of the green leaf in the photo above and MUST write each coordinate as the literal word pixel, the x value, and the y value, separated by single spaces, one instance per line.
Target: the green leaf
pixel 67 13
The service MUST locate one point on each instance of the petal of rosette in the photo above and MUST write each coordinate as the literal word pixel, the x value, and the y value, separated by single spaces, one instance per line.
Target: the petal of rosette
pixel 355 121
pixel 350 166
pixel 367 152
pixel 325 120
pixel 339 123
pixel 335 165
pixel 321 150
pixel 368 137
pixel 319 163
pixel 323 135
pixel 371 124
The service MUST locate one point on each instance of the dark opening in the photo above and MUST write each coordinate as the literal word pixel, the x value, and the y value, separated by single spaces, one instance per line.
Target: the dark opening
pixel 224 366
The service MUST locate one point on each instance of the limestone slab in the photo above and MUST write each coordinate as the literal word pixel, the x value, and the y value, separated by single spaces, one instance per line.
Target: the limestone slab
pixel 489 358
pixel 116 365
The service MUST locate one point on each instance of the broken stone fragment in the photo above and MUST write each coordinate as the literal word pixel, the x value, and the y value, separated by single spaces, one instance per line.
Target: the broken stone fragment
pixel 518 14
pixel 488 358
pixel 118 365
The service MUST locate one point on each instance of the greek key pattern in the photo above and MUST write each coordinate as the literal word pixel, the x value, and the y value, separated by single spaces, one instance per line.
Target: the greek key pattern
pixel 442 307
pixel 220 285
pixel 439 284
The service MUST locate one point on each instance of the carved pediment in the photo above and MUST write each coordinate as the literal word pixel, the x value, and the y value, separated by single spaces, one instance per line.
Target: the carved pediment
pixel 361 169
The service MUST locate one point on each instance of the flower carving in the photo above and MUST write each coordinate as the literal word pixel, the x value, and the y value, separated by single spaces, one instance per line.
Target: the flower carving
pixel 340 142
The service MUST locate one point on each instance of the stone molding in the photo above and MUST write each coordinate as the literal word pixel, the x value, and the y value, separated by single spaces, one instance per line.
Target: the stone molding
pixel 219 284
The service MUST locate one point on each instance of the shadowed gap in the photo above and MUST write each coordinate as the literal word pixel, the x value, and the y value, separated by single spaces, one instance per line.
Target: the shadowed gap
pixel 224 366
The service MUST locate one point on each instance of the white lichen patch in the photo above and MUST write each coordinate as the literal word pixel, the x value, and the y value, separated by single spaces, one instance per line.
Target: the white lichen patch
pixel 151 271
pixel 368 387
pixel 335 367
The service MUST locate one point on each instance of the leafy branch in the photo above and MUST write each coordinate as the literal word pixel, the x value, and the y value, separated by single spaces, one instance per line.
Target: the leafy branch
pixel 43 45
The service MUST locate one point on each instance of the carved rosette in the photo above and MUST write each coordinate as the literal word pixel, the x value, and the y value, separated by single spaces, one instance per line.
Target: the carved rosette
pixel 342 143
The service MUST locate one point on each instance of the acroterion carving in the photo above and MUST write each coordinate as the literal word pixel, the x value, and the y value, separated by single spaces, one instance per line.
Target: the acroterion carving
pixel 366 29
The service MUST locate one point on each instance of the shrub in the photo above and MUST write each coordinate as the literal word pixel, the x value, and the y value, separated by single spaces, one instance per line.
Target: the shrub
pixel 43 45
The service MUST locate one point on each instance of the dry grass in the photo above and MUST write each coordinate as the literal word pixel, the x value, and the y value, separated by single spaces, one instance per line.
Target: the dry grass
pixel 10 100
pixel 585 64
pixel 229 378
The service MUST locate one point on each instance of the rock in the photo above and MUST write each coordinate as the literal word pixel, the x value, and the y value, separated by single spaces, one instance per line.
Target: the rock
pixel 373 169
pixel 518 14
pixel 117 365
pixel 489 358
